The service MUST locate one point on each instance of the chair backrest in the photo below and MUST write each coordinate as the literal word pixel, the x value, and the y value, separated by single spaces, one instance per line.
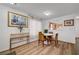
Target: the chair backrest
pixel 50 32
pixel 41 36
pixel 56 36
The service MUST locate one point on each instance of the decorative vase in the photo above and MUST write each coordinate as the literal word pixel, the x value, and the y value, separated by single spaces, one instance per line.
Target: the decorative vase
pixel 20 28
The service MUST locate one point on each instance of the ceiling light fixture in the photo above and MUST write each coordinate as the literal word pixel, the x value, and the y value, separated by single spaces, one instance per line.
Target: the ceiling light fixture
pixel 47 13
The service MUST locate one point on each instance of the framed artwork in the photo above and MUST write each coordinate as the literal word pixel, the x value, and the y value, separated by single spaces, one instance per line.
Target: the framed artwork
pixel 14 20
pixel 52 26
pixel 69 22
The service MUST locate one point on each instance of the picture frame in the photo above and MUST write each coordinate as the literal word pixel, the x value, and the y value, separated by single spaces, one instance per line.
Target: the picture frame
pixel 15 20
pixel 69 22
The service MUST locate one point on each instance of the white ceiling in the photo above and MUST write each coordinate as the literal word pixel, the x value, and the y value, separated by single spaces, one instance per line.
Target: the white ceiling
pixel 37 9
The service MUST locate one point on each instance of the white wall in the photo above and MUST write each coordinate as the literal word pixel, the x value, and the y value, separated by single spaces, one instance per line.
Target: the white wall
pixel 66 33
pixel 35 27
pixel 5 31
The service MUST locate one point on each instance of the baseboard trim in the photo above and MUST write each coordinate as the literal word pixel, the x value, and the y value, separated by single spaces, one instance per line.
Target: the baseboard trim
pixel 66 42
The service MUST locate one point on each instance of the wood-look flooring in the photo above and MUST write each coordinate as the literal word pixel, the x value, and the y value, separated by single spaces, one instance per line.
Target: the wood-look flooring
pixel 33 49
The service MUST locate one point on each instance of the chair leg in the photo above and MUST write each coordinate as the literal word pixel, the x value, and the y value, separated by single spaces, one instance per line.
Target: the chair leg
pixel 56 43
pixel 51 40
pixel 47 42
pixel 38 42
pixel 43 43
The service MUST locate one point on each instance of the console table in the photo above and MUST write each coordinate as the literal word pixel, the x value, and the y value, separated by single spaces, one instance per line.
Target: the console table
pixel 20 37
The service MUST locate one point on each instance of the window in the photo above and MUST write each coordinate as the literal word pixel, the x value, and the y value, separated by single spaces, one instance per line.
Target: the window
pixel 54 26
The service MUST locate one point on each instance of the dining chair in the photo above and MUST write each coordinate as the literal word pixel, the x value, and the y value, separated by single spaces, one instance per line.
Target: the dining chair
pixel 41 38
pixel 50 32
pixel 50 40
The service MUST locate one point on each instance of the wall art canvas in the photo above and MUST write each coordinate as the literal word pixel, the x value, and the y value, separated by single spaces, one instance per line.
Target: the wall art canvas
pixel 14 20
pixel 69 22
